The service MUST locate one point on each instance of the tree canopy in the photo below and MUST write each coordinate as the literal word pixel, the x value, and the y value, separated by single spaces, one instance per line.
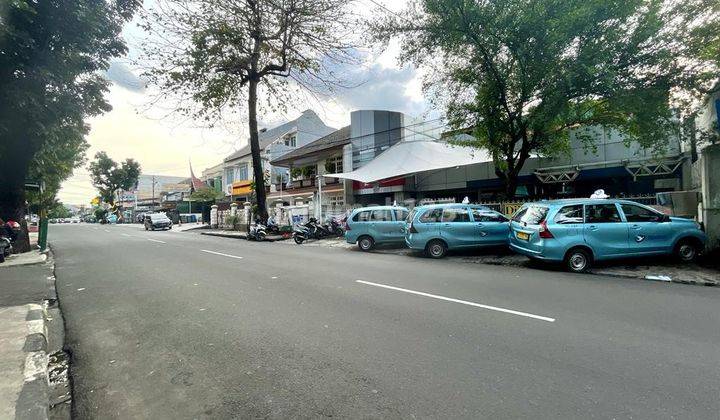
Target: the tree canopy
pixel 519 74
pixel 206 194
pixel 52 53
pixel 214 56
pixel 109 177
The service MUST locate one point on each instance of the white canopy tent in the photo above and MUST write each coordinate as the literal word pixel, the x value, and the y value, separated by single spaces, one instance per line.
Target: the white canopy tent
pixel 410 157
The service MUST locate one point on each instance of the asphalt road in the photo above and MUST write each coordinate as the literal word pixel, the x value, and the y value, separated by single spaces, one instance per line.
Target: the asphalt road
pixel 179 325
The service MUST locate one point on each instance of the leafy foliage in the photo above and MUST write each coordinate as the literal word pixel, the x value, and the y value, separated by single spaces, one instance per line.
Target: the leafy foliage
pixel 52 53
pixel 520 74
pixel 206 194
pixel 215 55
pixel 58 211
pixel 109 178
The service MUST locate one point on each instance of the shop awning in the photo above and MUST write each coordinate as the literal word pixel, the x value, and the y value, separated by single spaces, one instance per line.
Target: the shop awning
pixel 410 157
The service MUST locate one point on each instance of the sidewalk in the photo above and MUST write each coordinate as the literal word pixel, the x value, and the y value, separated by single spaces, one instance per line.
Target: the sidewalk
pixel 31 340
pixel 656 269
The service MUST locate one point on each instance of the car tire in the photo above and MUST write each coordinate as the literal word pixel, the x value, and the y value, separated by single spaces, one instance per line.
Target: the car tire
pixel 578 260
pixel 436 249
pixel 686 251
pixel 366 243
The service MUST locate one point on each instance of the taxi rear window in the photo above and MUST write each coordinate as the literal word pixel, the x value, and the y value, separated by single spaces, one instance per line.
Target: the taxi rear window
pixel 531 215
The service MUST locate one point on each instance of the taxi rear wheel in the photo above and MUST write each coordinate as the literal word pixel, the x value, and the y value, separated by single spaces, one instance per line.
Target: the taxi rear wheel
pixel 578 260
pixel 436 249
pixel 366 243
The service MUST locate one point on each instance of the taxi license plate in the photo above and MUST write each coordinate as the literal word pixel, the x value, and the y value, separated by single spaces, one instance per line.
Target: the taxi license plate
pixel 524 236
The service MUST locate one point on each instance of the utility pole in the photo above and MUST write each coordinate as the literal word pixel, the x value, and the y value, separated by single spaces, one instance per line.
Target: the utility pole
pixel 153 193
pixel 319 181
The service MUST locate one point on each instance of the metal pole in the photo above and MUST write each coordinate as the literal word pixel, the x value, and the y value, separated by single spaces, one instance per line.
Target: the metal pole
pixel 319 179
pixel 153 193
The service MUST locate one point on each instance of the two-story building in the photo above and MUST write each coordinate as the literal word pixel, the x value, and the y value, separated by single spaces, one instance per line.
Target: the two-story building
pixel 237 173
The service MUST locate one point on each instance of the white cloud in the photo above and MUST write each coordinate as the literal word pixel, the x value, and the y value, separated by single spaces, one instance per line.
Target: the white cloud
pixel 163 145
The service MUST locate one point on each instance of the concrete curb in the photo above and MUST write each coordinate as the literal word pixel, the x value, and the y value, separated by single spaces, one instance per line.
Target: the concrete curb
pixel 272 238
pixel 659 278
pixel 46 389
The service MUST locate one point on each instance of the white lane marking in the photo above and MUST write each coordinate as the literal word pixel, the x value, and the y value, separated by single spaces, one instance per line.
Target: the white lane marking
pixel 156 240
pixel 125 234
pixel 464 302
pixel 81 289
pixel 273 277
pixel 106 230
pixel 220 253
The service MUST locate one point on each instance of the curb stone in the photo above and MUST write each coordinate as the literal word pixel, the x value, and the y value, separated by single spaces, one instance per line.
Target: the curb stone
pixel 46 391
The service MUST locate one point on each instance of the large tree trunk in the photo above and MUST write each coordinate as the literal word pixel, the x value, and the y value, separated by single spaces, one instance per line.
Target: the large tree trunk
pixel 12 198
pixel 255 150
pixel 511 182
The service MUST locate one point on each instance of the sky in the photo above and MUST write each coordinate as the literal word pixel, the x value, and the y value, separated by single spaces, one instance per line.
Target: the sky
pixel 139 126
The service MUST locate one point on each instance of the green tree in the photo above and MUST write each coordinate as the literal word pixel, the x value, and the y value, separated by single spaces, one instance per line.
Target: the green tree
pixel 58 211
pixel 519 74
pixel 109 177
pixel 51 56
pixel 219 54
pixel 206 194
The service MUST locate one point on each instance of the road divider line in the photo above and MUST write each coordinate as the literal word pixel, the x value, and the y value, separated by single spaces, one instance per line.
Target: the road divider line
pixel 220 253
pixel 156 240
pixel 463 302
pixel 125 234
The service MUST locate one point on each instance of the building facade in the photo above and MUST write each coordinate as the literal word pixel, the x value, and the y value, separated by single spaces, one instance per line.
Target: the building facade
pixel 237 173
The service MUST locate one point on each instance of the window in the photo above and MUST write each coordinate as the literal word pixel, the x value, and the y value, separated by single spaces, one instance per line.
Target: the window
pixel 336 200
pixel 531 215
pixel 456 215
pixel 635 213
pixel 400 214
pixel 241 173
pixel 602 213
pixel 570 214
pixel 431 216
pixel 229 176
pixel 362 216
pixel 290 140
pixel 480 215
pixel 334 165
pixel 381 216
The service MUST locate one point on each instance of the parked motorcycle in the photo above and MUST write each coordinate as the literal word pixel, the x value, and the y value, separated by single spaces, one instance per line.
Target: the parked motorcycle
pixel 335 227
pixel 272 227
pixel 257 232
pixel 8 234
pixel 308 230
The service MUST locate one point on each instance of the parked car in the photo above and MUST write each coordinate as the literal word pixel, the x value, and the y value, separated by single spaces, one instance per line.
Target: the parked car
pixel 439 228
pixel 157 221
pixel 579 232
pixel 369 226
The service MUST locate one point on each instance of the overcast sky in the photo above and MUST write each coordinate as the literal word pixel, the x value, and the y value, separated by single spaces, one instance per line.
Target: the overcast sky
pixel 138 127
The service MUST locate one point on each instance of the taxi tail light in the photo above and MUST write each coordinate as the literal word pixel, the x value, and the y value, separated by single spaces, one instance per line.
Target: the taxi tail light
pixel 544 231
